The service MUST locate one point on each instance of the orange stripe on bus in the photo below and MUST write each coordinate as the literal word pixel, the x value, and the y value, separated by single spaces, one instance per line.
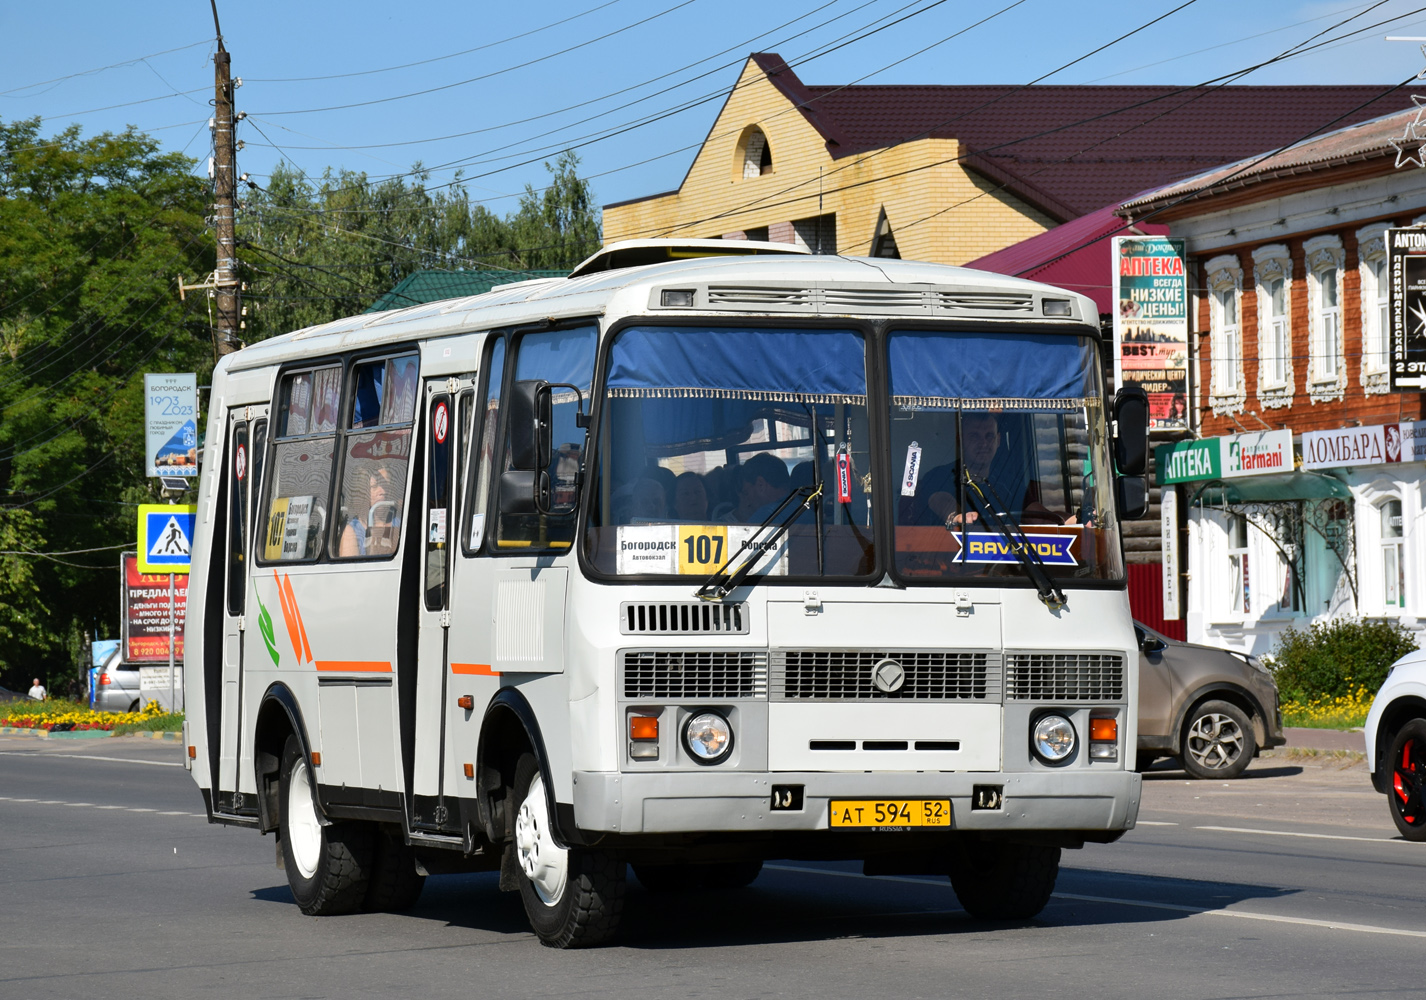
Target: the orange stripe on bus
pixel 289 616
pixel 483 669
pixel 356 666
pixel 306 654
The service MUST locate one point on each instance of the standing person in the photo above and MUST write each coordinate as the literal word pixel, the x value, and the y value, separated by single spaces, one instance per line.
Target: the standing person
pixel 37 691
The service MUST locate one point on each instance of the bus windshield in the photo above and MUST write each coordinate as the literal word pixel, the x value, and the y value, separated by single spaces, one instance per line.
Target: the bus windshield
pixel 707 431
pixel 998 445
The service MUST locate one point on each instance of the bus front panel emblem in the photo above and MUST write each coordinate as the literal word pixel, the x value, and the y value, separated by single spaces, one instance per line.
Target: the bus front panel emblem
pixel 888 676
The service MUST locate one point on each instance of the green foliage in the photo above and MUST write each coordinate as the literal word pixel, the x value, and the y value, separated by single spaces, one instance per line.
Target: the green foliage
pixel 1333 659
pixel 315 251
pixel 92 234
pixel 163 722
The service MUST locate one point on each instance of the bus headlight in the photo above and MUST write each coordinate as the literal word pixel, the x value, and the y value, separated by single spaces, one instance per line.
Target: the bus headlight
pixel 1052 738
pixel 708 737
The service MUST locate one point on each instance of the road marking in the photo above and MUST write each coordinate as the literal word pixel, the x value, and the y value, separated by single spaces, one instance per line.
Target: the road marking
pixel 90 805
pixel 1150 822
pixel 1335 925
pixel 52 755
pixel 1289 833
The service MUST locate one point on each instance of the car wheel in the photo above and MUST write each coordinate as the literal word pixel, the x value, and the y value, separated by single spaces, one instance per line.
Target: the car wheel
pixel 395 883
pixel 134 705
pixel 1005 881
pixel 573 896
pixel 691 877
pixel 1217 741
pixel 328 867
pixel 1407 776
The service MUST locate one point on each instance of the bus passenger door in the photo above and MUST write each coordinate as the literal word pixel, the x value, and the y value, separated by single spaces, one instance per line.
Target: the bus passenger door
pixel 444 444
pixel 247 430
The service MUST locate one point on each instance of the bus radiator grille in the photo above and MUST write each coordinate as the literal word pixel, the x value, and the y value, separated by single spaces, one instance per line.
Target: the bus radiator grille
pixel 695 673
pixel 682 618
pixel 849 675
pixel 1064 677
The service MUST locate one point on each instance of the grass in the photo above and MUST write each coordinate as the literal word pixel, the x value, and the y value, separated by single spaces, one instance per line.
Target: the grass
pixel 163 722
pixel 1347 711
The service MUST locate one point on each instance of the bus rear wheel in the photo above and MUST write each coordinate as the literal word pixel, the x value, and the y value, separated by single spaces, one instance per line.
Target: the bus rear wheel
pixel 998 881
pixel 328 867
pixel 395 883
pixel 573 896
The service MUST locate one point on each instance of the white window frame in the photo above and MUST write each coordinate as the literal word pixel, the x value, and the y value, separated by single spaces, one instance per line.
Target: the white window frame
pixel 1227 387
pixel 1376 299
pixel 1326 368
pixel 1276 377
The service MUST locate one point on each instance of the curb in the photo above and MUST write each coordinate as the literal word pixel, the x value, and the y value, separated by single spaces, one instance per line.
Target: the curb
pixel 86 734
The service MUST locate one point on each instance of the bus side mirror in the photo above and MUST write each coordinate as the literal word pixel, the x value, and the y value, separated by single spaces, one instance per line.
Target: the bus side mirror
pixel 529 419
pixel 523 491
pixel 1131 497
pixel 1131 436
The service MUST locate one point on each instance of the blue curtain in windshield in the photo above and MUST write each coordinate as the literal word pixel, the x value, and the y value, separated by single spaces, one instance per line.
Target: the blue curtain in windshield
pixel 718 363
pixel 966 369
pixel 558 356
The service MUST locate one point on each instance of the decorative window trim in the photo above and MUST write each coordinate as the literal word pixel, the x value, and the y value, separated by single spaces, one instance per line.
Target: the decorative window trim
pixel 1323 253
pixel 1370 497
pixel 1270 263
pixel 1225 273
pixel 1371 248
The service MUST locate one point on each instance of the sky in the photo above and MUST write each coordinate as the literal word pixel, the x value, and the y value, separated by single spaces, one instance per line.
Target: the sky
pixel 497 89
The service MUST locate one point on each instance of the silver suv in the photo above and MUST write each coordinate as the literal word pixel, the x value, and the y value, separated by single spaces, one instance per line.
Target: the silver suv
pixel 1212 709
pixel 117 689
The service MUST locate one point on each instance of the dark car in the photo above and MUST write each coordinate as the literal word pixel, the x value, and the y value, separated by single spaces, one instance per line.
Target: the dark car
pixel 1210 708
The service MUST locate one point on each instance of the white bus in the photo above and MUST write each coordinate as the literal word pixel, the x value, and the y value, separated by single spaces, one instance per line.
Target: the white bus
pixel 708 554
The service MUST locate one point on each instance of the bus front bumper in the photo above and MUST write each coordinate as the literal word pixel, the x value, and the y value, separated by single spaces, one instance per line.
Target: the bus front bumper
pixel 741 801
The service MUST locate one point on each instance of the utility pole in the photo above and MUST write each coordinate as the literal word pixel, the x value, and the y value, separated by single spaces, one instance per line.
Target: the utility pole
pixel 225 276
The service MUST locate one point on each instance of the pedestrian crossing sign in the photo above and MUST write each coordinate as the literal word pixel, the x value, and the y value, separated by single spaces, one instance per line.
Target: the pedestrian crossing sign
pixel 165 537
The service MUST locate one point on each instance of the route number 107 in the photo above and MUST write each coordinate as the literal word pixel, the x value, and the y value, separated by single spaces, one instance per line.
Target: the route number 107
pixel 703 550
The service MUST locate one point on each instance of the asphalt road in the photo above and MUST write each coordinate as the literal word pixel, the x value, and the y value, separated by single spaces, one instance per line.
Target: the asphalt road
pixel 1289 882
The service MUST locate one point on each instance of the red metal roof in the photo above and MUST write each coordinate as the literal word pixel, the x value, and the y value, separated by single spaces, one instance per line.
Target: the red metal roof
pixel 1071 149
pixel 1075 255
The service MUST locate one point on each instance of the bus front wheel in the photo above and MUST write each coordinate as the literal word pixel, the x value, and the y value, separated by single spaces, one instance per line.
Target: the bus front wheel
pixel 998 881
pixel 573 896
pixel 328 867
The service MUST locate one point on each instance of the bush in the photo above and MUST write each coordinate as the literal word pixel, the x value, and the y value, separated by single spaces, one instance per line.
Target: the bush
pixel 1335 658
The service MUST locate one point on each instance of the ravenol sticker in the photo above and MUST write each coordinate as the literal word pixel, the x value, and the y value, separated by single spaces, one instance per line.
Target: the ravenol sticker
pixel 986 547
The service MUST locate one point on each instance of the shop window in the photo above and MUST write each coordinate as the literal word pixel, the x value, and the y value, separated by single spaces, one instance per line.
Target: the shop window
pixel 1239 572
pixel 1393 564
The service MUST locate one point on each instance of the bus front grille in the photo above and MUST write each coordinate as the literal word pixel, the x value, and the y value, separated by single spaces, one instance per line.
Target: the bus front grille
pixel 682 617
pixel 1064 677
pixel 695 673
pixel 852 675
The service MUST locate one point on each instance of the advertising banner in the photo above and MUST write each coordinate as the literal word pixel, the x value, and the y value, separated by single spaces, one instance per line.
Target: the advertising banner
pixel 171 424
pixel 1151 324
pixel 1187 461
pixel 1256 453
pixel 144 606
pixel 1168 527
pixel 1379 444
pixel 1406 257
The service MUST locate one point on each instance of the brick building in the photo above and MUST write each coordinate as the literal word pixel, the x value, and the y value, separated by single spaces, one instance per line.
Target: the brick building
pixel 1306 493
pixel 952 173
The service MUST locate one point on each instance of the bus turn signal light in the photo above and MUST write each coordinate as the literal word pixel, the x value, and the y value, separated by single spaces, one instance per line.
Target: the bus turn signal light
pixel 643 727
pixel 466 702
pixel 316 758
pixel 192 753
pixel 1101 730
pixel 470 770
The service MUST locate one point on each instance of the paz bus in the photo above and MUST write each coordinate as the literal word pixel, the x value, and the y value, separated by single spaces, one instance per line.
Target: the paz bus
pixel 710 553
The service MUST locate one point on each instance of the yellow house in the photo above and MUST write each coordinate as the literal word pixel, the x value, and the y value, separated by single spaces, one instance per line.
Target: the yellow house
pixel 952 173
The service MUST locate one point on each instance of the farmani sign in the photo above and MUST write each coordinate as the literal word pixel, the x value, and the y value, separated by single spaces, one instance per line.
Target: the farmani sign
pixel 1253 454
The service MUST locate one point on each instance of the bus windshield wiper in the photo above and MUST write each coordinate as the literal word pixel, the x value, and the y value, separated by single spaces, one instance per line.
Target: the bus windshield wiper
pixel 713 589
pixel 1020 545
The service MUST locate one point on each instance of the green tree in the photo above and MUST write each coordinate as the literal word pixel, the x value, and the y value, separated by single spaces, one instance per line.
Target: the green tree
pixel 93 233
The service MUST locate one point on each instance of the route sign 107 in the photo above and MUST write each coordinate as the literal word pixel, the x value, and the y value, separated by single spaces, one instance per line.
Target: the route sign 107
pixel 171 424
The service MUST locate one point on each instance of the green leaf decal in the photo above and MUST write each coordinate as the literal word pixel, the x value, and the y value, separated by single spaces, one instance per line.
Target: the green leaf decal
pixel 264 624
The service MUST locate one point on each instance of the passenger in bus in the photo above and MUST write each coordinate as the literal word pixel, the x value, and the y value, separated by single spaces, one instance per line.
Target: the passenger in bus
pixel 639 502
pixel 378 532
pixel 690 498
pixel 763 483
pixel 980 440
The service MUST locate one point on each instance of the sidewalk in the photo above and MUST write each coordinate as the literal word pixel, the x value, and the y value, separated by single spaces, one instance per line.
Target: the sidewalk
pixel 1324 739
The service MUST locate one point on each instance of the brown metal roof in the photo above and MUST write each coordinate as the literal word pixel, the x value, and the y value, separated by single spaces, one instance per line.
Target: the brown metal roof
pixel 1073 149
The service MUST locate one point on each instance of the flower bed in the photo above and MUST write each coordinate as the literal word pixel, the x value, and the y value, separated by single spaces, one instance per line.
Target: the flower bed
pixel 1347 711
pixel 61 716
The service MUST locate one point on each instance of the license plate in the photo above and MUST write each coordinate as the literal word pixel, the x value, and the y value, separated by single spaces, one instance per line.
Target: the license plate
pixel 893 814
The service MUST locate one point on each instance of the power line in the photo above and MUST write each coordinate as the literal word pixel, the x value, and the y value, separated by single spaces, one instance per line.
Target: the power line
pixel 101 69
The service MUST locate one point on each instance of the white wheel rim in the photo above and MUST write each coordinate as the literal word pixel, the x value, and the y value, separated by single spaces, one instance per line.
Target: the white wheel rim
pixel 1215 741
pixel 544 862
pixel 303 831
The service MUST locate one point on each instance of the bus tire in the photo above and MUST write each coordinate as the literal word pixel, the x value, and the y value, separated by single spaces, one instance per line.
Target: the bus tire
pixel 328 867
pixel 395 883
pixel 573 896
pixel 690 877
pixel 1000 881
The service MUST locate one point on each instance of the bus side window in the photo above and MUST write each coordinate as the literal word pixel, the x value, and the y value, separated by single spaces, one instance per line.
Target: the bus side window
pixel 304 438
pixel 376 450
pixel 480 460
pixel 239 476
pixel 562 357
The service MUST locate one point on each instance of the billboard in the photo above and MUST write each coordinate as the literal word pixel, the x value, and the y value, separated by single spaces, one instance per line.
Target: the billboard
pixel 144 609
pixel 1406 347
pixel 1151 325
pixel 171 424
